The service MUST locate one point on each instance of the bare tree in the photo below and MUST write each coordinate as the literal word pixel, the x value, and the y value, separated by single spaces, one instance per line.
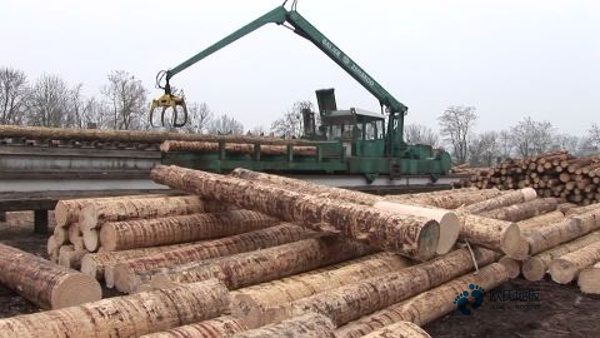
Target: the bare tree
pixel 13 95
pixel 532 137
pixel 420 134
pixel 127 97
pixel 594 135
pixel 258 131
pixel 570 143
pixel 484 149
pixel 456 123
pixel 225 125
pixel 49 102
pixel 505 144
pixel 291 124
pixel 199 117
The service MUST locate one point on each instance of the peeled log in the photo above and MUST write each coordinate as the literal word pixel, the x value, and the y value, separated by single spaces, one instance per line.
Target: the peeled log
pixel 415 237
pixel 127 274
pixel 259 299
pixel 399 330
pixel 241 270
pixel 352 301
pixel 492 233
pixel 541 220
pixel 67 211
pixel 448 201
pixel 234 148
pixel 94 215
pixel 535 268
pixel 220 327
pixel 427 306
pixel 565 269
pixel 548 236
pixel 177 229
pixel 44 283
pixel 589 279
pixel 309 325
pixel 507 199
pixel 522 211
pixel 123 317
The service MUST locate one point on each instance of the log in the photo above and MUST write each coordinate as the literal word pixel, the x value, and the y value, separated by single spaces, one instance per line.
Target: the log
pixel 257 301
pixel 61 235
pixel 91 241
pixel 352 301
pixel 541 220
pixel 127 274
pixel 534 268
pixel 491 233
pixel 507 199
pixel 427 306
pixel 583 210
pixel 565 269
pixel 242 270
pixel 234 148
pixel 589 279
pixel 52 249
pixel 451 201
pixel 76 236
pixel 220 327
pixel 67 211
pixel 71 258
pixel 415 237
pixel 522 211
pixel 94 215
pixel 128 316
pixel 177 229
pixel 309 325
pixel 44 283
pixel 400 329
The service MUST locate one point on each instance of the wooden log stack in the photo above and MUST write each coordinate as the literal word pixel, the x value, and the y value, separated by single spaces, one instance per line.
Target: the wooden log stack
pixel 555 174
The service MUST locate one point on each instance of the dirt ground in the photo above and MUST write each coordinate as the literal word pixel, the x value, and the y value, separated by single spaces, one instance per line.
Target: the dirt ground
pixel 516 309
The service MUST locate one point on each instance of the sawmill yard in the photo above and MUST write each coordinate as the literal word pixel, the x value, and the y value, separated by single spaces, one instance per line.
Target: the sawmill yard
pixel 250 254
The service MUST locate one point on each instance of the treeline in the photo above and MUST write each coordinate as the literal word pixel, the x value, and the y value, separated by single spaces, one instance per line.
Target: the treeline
pixel 526 138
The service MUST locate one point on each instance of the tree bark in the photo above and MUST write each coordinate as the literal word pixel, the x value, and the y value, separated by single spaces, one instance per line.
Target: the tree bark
pixel 399 330
pixel 415 237
pixel 493 234
pixel 143 233
pixel 259 300
pixel 522 211
pixel 276 262
pixel 507 199
pixel 44 283
pixel 427 306
pixel 128 316
pixel 127 274
pixel 220 327
pixel 448 201
pixel 541 220
pixel 94 215
pixel 566 268
pixel 70 258
pixel 352 301
pixel 309 325
pixel 234 148
pixel 589 279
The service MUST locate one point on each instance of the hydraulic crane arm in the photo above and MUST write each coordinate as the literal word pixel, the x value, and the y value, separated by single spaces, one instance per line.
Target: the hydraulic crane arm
pixel 305 29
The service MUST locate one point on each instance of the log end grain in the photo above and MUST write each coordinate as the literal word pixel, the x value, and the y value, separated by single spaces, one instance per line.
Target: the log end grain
pixel 90 267
pixel 513 244
pixel 427 242
pixel 449 231
pixel 108 237
pixel 529 194
pixel 589 280
pixel 90 239
pixel 61 214
pixel 533 269
pixel 513 267
pixel 562 271
pixel 75 289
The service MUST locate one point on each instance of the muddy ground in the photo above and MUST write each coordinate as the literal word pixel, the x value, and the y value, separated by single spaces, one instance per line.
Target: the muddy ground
pixel 542 309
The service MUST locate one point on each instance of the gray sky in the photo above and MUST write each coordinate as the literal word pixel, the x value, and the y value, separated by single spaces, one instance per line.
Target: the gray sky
pixel 508 58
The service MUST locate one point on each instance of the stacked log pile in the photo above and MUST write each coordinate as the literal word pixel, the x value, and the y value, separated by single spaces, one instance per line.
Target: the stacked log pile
pixel 556 174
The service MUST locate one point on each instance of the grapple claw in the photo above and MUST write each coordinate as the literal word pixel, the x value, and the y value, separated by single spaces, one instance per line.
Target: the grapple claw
pixel 167 101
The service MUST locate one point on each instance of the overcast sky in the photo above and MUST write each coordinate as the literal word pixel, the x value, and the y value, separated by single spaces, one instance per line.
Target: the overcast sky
pixel 508 58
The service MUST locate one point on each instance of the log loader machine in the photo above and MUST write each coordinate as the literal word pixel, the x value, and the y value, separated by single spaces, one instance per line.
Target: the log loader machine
pixel 350 142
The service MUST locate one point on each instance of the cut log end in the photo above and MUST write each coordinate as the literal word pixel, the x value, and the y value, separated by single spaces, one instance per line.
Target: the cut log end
pixel 589 280
pixel 428 240
pixel 562 271
pixel 90 239
pixel 513 244
pixel 529 194
pixel 513 268
pixel 108 238
pixel 533 269
pixel 449 231
pixel 75 289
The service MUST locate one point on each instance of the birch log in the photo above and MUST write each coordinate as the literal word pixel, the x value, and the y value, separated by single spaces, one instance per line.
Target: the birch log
pixel 415 237
pixel 94 215
pixel 429 305
pixel 309 325
pixel 262 298
pixel 534 268
pixel 123 317
pixel 44 283
pixel 589 279
pixel 177 229
pixel 399 330
pixel 566 268
pixel 127 274
pixel 355 300
pixel 276 262
pixel 220 327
